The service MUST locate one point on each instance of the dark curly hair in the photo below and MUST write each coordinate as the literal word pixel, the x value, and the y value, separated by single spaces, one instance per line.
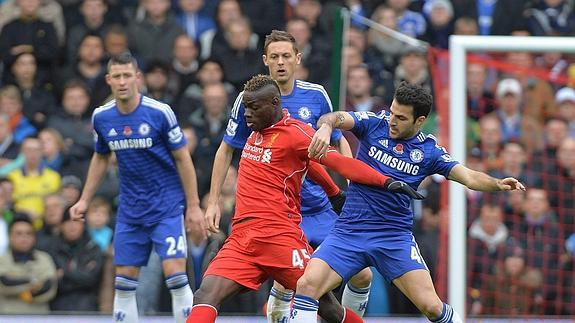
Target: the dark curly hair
pixel 416 96
pixel 260 81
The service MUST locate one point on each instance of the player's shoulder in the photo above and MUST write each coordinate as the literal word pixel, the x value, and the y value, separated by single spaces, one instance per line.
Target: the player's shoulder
pixel 309 88
pixel 235 113
pixel 104 109
pixel 160 109
pixel 297 126
pixel 430 142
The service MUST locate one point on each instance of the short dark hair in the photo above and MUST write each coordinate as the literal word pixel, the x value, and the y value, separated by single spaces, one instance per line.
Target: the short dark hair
pixel 260 81
pixel 20 217
pixel 76 83
pixel 416 96
pixel 122 59
pixel 279 35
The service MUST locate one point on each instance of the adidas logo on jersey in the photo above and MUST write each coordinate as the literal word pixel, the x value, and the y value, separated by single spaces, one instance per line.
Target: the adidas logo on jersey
pixel 112 133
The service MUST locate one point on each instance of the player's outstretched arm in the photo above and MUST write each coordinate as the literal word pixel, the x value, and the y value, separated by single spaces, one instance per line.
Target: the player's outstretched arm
pixel 96 171
pixel 480 181
pixel 222 163
pixel 194 217
pixel 326 123
pixel 362 173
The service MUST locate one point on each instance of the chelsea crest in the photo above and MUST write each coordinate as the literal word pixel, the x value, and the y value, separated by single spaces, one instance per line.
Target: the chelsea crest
pixel 304 113
pixel 416 155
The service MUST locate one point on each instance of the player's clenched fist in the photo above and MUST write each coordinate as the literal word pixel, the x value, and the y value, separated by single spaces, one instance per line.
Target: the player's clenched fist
pixel 78 210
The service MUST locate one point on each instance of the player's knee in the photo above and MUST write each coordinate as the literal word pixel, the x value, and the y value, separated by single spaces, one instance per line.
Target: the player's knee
pixel 307 286
pixel 205 296
pixel 362 279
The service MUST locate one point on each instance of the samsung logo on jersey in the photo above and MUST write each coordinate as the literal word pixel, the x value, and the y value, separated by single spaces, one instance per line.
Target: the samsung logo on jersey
pixel 393 162
pixel 141 143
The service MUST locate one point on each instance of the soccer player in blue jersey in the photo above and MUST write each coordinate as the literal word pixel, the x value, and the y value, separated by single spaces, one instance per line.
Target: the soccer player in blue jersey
pixel 374 228
pixel 307 102
pixel 157 186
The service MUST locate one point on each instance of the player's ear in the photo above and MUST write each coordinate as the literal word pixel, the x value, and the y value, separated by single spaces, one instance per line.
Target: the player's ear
pixel 265 60
pixel 298 58
pixel 420 120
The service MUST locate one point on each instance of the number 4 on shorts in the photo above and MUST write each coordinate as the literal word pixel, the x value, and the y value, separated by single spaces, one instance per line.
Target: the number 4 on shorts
pixel 415 255
pixel 298 256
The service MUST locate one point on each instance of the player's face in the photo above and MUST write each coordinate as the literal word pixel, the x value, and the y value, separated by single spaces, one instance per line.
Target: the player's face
pixel 260 110
pixel 281 60
pixel 123 81
pixel 401 122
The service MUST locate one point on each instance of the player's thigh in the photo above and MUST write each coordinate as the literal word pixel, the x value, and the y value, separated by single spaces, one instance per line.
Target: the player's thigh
pixel 169 237
pixel 132 245
pixel 344 253
pixel 395 254
pixel 418 287
pixel 316 227
pixel 318 279
pixel 216 289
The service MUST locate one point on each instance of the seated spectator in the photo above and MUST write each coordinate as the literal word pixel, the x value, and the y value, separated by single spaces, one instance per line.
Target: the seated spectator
pixel 551 18
pixel 115 41
pixel 98 219
pixel 409 22
pixel 439 14
pixel 156 82
pixel 480 101
pixel 28 278
pixel 93 14
pixel 32 182
pixel 543 162
pixel 192 20
pixel 11 105
pixel 47 236
pixel 513 289
pixel 213 40
pixel 52 149
pixel 412 68
pixel 466 26
pixel 184 65
pixel 79 261
pixel 315 52
pixel 565 100
pixel 49 11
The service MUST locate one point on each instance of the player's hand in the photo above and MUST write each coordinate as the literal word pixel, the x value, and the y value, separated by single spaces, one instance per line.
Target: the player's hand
pixel 78 210
pixel 337 201
pixel 320 142
pixel 510 184
pixel 396 186
pixel 213 217
pixel 195 223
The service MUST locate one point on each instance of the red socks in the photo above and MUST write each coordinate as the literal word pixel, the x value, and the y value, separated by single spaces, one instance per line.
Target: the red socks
pixel 203 313
pixel 350 317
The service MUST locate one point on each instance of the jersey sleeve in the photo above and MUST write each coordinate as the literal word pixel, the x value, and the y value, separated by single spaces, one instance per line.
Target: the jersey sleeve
pixel 100 145
pixel 326 107
pixel 237 131
pixel 442 161
pixel 170 130
pixel 366 121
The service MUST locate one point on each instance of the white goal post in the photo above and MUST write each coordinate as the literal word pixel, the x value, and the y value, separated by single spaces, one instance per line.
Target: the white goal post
pixel 459 46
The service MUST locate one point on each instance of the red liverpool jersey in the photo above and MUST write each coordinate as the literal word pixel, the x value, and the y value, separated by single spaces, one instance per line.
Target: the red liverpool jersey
pixel 271 171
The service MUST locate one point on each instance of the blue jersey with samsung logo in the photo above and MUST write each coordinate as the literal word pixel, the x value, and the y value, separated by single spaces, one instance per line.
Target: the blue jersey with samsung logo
pixel 307 102
pixel 370 208
pixel 150 186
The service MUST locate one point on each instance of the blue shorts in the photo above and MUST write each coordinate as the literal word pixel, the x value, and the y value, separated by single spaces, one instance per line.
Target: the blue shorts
pixel 316 227
pixel 133 242
pixel 392 254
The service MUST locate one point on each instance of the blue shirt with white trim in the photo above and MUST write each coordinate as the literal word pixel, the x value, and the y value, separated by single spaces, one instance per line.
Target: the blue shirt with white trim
pixel 150 186
pixel 307 102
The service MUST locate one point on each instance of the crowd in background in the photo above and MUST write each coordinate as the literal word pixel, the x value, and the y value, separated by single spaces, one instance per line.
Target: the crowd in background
pixel 196 55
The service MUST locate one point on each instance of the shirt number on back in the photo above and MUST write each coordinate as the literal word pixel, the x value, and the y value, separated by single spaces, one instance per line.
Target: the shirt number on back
pixel 298 256
pixel 174 248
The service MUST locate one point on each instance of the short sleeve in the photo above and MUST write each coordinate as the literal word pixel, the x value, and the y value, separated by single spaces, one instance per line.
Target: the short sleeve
pixel 366 121
pixel 442 162
pixel 171 132
pixel 237 131
pixel 100 144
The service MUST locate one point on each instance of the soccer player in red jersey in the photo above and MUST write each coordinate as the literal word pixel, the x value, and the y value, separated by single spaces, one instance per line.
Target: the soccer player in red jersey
pixel 266 239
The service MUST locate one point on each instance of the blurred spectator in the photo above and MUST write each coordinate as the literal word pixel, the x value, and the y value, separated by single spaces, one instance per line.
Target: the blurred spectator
pixel 184 65
pixel 47 236
pixel 383 46
pixel 153 38
pixel 514 162
pixel 561 185
pixel 315 52
pixel 551 18
pixel 49 11
pixel 9 149
pixel 264 15
pixel 490 141
pixel 310 11
pixel 487 236
pixel 27 276
pixel 156 81
pixel 192 20
pixel 439 15
pixel 79 261
pixel 73 123
pixel 89 68
pixel 209 124
pixel 52 149
pixel 543 161
pixel 513 288
pixel 239 52
pixel 37 98
pixel 28 34
pixel 352 57
pixel 555 63
pixel 115 41
pixel 71 189
pixel 500 17
pixel 466 26
pixel 516 126
pixel 94 22
pixel 480 101
pixel 98 220
pixel 212 41
pixel 11 105
pixel 33 181
pixel 409 22
pixel 412 68
pixel 565 100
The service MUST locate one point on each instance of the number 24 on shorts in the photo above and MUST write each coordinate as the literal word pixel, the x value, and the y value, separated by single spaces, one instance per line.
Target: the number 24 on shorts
pixel 298 256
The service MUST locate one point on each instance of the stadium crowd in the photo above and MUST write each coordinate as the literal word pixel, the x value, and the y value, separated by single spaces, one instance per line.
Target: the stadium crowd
pixel 195 55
